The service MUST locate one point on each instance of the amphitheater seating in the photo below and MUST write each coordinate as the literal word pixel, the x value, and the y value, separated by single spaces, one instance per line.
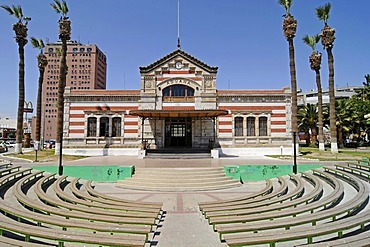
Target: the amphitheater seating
pixel 102 199
pixel 253 197
pixel 336 226
pixel 328 209
pixel 26 218
pixel 236 204
pixel 322 207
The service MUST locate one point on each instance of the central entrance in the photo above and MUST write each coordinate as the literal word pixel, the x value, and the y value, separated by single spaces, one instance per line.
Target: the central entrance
pixel 178 132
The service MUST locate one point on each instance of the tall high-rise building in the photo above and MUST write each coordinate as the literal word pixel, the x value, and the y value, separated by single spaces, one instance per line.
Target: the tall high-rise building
pixel 87 69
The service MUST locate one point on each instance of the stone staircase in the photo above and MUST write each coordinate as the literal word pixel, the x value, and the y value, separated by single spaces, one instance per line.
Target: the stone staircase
pixel 178 153
pixel 178 179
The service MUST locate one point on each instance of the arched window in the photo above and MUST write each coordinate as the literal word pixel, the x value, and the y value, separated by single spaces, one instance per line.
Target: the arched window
pixel 116 127
pixel 262 123
pixel 251 126
pixel 91 126
pixel 104 126
pixel 238 126
pixel 178 92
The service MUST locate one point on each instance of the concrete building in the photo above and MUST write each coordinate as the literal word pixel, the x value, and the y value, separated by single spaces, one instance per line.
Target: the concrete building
pixel 340 93
pixel 87 69
pixel 177 106
pixel 8 126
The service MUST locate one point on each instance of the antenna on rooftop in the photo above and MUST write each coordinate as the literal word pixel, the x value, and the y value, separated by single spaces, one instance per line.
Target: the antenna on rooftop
pixel 229 84
pixel 178 25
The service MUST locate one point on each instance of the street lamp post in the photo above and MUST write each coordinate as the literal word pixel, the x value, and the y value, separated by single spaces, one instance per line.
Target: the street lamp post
pixel 60 155
pixel 294 153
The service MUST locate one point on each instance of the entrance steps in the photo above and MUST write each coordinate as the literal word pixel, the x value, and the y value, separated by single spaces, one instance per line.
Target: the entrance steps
pixel 178 179
pixel 178 153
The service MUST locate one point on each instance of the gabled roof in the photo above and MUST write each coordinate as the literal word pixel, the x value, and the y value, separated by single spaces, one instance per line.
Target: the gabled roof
pixel 174 54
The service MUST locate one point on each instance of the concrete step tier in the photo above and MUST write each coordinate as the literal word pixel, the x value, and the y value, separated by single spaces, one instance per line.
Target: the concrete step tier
pixel 178 153
pixel 178 179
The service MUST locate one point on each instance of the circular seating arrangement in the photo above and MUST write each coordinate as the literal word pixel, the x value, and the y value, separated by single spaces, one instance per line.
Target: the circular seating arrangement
pixel 321 207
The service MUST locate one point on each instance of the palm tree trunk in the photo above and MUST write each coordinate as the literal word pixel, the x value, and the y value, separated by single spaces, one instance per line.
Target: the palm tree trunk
pixel 60 102
pixel 293 87
pixel 320 114
pixel 38 110
pixel 340 136
pixel 19 131
pixel 333 127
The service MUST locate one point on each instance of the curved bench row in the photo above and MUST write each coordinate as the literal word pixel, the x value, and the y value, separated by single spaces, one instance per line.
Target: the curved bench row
pixel 309 210
pixel 233 237
pixel 57 216
pixel 308 233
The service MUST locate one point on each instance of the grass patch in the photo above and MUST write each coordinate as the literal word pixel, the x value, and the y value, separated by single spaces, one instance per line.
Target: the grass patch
pixel 45 155
pixel 314 153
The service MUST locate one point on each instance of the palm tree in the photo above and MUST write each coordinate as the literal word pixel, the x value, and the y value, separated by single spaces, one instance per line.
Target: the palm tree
pixel 64 34
pixel 346 118
pixel 289 29
pixel 307 119
pixel 41 62
pixel 20 29
pixel 315 64
pixel 327 40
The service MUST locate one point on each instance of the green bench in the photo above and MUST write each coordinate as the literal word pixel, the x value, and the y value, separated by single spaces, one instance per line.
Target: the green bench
pixel 338 227
pixel 111 199
pixel 40 218
pixel 262 205
pixel 100 202
pixel 329 214
pixel 282 189
pixel 59 235
pixel 76 211
pixel 85 206
pixel 266 190
pixel 287 209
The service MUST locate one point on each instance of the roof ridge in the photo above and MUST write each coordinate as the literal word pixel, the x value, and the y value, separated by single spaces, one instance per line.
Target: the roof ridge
pixel 202 64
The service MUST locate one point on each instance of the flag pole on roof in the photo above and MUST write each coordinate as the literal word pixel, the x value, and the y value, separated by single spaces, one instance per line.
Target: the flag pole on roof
pixel 178 25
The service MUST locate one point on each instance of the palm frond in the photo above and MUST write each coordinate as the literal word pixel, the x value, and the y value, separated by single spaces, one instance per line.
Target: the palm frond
pixel 8 9
pixel 42 45
pixel 34 42
pixel 60 7
pixel 64 8
pixel 287 4
pixel 17 12
pixel 37 43
pixel 323 12
pixel 309 40
pixel 56 6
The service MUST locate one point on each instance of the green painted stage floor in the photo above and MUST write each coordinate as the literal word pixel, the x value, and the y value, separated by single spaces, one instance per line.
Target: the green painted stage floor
pixel 95 173
pixel 261 172
pixel 114 173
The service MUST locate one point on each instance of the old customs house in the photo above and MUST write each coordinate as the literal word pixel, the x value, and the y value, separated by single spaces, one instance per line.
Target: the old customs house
pixel 178 106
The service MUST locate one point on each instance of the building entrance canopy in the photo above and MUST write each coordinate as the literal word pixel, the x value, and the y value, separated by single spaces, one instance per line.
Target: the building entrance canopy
pixel 178 113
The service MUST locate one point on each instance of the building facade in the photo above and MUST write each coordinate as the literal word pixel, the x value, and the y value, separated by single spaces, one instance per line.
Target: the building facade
pixel 177 106
pixel 311 97
pixel 87 66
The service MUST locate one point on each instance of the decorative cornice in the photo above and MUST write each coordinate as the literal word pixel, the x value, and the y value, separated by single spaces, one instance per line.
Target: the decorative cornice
pixel 175 53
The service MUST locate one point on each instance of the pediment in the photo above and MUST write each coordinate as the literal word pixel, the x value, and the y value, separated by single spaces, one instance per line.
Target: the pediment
pixel 169 61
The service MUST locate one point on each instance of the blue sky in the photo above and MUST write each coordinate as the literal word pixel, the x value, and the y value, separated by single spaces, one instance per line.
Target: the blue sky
pixel 243 38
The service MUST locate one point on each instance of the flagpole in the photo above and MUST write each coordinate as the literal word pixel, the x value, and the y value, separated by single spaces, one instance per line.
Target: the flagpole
pixel 178 24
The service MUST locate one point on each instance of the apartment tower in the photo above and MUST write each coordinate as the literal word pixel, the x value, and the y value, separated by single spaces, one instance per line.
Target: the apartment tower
pixel 87 69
